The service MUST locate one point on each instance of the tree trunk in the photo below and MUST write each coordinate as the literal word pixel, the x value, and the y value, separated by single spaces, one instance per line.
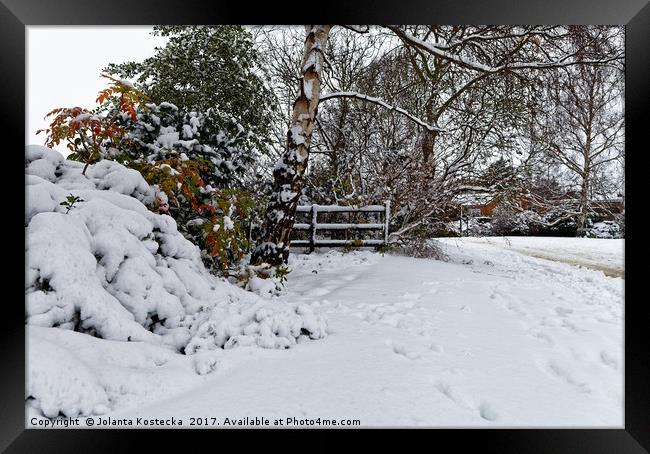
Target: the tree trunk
pixel 584 205
pixel 290 170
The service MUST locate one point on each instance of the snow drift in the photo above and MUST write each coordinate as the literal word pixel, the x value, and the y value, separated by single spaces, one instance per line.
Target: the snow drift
pixel 111 268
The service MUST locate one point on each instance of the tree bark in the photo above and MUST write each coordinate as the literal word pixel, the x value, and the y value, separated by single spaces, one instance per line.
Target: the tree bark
pixel 289 172
pixel 584 206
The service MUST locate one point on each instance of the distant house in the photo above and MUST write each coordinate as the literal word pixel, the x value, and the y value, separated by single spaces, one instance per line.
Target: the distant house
pixel 475 205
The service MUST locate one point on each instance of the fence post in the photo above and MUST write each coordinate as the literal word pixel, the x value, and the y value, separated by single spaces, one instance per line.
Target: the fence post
pixel 314 218
pixel 386 221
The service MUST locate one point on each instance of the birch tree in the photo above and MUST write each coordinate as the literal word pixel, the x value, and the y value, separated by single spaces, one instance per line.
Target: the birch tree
pixel 289 172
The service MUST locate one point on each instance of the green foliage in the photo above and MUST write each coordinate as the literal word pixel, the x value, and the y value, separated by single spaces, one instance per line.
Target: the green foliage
pixel 225 149
pixel 70 202
pixel 206 67
pixel 216 220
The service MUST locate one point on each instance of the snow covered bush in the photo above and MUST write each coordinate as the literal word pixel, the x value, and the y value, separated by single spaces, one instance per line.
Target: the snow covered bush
pixel 477 227
pixel 559 221
pixel 226 150
pixel 202 161
pixel 620 221
pixel 262 279
pixel 508 222
pixel 113 269
pixel 604 229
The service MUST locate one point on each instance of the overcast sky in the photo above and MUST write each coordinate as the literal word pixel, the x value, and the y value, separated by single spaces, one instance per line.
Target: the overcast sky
pixel 64 66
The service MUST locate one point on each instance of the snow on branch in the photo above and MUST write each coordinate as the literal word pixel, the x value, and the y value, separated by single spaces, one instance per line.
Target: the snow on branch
pixel 417 43
pixel 358 28
pixel 352 94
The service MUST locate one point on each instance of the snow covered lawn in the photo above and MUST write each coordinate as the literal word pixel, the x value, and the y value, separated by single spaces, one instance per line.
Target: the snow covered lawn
pixel 490 338
pixel 599 254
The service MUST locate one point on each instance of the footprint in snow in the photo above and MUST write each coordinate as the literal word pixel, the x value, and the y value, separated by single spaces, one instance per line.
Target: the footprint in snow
pixel 487 412
pixel 410 296
pixel 542 336
pixel 564 374
pixel 465 401
pixel 405 305
pixel 563 311
pixel 609 360
pixel 317 292
pixel 400 349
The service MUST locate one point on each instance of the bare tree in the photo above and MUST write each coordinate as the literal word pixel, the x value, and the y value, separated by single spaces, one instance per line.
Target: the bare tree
pixel 581 127
pixel 456 87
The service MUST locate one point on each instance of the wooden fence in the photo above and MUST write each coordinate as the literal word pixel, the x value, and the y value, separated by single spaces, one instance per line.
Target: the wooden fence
pixel 313 226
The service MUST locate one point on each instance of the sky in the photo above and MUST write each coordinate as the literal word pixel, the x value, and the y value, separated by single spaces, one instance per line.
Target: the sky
pixel 64 66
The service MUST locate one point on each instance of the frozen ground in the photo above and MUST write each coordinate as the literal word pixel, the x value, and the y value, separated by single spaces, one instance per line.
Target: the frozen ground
pixel 491 338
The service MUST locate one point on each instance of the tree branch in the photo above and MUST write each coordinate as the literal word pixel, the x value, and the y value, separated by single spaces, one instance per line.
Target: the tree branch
pixel 352 94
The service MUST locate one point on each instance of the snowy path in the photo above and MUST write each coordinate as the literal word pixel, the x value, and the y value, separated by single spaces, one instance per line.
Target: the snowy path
pixel 490 338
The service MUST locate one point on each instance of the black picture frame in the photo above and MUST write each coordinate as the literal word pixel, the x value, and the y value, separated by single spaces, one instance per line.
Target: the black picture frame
pixel 15 15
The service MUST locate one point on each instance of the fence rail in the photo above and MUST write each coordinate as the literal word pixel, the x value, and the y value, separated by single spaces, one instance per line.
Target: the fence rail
pixel 314 226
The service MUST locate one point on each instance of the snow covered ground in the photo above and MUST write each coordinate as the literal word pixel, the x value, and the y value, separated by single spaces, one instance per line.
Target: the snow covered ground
pixel 490 338
pixel 591 253
pixel 523 332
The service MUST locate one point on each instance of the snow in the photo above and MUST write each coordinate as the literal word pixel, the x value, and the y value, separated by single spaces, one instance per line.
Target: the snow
pixel 353 94
pixel 491 338
pixel 509 332
pixel 115 271
pixel 600 254
pixel 74 373
pixel 227 223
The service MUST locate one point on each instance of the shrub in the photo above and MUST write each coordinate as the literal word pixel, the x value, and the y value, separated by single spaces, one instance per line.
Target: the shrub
pixel 91 135
pixel 199 162
pixel 420 248
pixel 604 229
pixel 508 222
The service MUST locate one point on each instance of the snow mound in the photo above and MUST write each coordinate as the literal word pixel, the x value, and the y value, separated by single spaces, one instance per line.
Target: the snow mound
pixel 111 268
pixel 71 373
pixel 59 383
pixel 256 323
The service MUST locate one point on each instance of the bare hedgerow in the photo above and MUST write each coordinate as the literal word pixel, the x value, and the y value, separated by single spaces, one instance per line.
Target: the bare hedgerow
pixel 419 248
